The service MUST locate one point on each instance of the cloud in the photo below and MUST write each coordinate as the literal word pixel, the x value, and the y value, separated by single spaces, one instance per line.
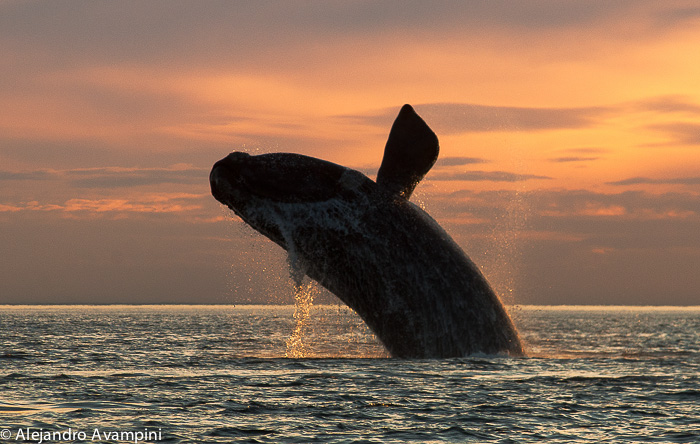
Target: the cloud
pixel 458 161
pixel 664 181
pixel 685 133
pixel 171 31
pixel 587 150
pixel 115 177
pixel 670 104
pixel 118 32
pixel 628 205
pixel 148 203
pixel 26 175
pixel 573 159
pixel 38 150
pixel 583 154
pixel 675 15
pixel 555 246
pixel 562 229
pixel 10 208
pixel 106 191
pixel 491 176
pixel 456 118
pixel 570 212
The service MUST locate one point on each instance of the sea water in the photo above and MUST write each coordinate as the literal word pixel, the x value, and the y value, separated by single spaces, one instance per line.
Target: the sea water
pixel 218 374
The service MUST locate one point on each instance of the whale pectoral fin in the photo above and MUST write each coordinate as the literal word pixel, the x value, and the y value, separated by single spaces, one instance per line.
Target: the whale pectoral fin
pixel 410 152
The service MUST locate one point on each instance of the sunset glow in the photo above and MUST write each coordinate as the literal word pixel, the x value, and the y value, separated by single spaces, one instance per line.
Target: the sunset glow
pixel 569 134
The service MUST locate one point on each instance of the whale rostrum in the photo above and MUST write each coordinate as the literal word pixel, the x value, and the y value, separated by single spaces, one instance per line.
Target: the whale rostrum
pixel 368 244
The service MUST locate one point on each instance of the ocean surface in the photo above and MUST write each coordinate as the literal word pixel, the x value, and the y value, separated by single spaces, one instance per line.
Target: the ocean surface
pixel 220 374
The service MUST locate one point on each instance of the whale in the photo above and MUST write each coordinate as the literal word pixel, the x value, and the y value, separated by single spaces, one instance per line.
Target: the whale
pixel 368 244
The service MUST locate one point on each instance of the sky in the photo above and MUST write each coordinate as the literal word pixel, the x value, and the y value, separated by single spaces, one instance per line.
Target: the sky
pixel 569 168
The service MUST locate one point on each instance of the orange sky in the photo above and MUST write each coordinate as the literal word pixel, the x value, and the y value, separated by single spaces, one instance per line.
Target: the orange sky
pixel 569 131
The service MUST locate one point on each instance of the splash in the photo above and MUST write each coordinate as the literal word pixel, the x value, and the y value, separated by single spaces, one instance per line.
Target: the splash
pixel 504 257
pixel 303 300
pixel 303 296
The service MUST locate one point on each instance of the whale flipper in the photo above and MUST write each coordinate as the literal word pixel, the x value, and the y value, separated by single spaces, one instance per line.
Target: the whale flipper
pixel 410 152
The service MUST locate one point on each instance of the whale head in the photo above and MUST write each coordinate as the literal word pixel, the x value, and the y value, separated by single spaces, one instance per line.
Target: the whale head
pixel 260 188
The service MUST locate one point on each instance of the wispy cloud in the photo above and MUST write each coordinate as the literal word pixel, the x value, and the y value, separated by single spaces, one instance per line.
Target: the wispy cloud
pixel 658 181
pixel 670 104
pixel 89 34
pixel 628 205
pixel 456 118
pixel 117 177
pixel 570 212
pixel 580 154
pixel 677 14
pixel 587 150
pixel 26 175
pixel 458 161
pixel 566 159
pixel 686 133
pixel 151 203
pixel 114 177
pixel 491 176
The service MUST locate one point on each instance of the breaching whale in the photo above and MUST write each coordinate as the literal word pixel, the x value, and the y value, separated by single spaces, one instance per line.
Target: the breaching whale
pixel 364 241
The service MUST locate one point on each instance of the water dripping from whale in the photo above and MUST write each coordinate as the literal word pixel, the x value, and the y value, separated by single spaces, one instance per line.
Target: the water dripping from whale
pixel 364 241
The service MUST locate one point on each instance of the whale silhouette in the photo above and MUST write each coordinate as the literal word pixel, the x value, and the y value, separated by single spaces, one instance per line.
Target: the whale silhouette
pixel 365 242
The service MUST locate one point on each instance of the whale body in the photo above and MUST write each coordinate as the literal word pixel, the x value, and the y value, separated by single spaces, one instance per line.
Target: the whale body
pixel 364 241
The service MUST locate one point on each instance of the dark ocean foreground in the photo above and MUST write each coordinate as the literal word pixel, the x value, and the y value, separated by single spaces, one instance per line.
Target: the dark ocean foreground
pixel 218 374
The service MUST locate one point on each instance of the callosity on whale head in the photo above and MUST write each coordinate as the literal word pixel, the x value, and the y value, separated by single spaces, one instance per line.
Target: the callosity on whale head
pixel 366 243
